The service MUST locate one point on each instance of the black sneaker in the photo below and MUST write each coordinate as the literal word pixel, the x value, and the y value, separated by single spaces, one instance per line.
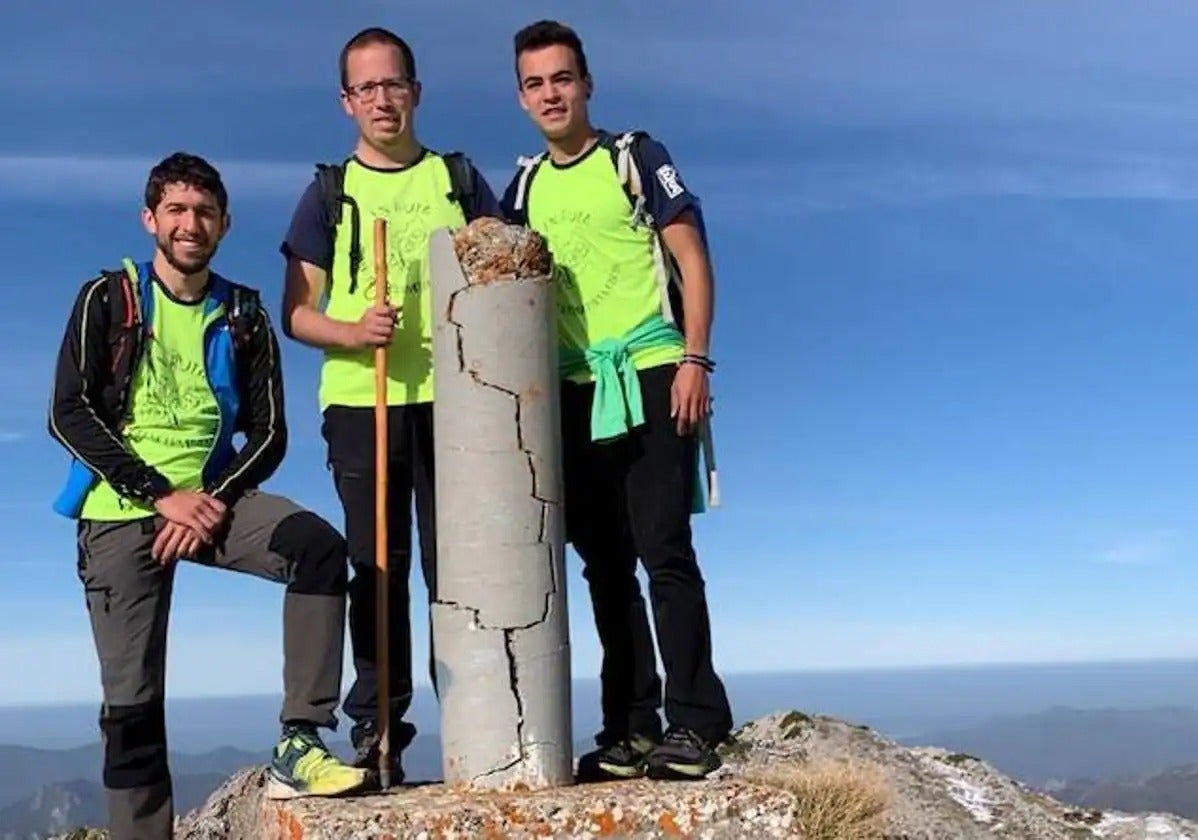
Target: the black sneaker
pixel 624 759
pixel 365 740
pixel 683 755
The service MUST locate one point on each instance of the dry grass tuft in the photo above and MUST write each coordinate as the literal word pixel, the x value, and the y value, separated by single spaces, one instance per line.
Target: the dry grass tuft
pixel 834 800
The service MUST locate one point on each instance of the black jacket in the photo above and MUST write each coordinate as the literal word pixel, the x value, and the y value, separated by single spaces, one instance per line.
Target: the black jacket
pixel 91 395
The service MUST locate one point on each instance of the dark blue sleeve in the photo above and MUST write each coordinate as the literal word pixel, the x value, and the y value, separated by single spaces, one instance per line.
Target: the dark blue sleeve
pixel 666 196
pixel 508 203
pixel 483 202
pixel 309 237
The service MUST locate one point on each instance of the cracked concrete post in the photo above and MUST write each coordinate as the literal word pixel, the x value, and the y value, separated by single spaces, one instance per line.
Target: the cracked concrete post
pixel 499 620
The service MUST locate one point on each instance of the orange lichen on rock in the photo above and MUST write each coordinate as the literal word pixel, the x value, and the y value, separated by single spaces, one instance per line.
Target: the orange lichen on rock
pixel 669 825
pixel 290 828
pixel 605 823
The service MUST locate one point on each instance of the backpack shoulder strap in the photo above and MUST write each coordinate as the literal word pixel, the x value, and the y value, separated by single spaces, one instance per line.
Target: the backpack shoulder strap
pixel 124 309
pixel 129 317
pixel 622 148
pixel 330 179
pixel 528 167
pixel 127 291
pixel 242 313
pixel 461 180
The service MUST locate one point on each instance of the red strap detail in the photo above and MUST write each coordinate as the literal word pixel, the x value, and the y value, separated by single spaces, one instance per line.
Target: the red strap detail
pixel 130 309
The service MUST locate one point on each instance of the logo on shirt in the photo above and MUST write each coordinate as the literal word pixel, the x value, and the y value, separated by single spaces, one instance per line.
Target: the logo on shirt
pixel 667 176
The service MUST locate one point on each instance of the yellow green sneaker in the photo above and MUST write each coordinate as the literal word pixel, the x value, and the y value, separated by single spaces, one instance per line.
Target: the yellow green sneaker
pixel 303 766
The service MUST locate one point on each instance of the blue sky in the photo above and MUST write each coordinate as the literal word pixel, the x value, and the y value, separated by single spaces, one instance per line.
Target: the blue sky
pixel 955 321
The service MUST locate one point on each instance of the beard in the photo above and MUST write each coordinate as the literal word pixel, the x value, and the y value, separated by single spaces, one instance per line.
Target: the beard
pixel 191 263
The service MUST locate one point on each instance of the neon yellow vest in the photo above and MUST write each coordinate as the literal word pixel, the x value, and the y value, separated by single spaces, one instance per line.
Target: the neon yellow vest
pixel 414 202
pixel 605 271
pixel 173 417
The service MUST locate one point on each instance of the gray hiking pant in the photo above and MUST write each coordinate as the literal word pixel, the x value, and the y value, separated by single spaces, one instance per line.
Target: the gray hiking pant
pixel 128 599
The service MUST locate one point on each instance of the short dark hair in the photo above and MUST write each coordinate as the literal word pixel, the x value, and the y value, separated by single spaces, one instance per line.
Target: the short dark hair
pixel 376 35
pixel 548 33
pixel 184 168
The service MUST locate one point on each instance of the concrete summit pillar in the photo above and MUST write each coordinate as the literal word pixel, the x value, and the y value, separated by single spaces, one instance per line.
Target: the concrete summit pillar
pixel 499 620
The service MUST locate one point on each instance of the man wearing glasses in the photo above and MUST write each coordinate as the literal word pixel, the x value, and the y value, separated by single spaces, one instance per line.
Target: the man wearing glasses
pixel 328 303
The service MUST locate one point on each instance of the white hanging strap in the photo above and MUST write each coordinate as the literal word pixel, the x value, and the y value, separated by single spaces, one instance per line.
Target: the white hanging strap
pixel 625 167
pixel 707 441
pixel 527 165
pixel 630 176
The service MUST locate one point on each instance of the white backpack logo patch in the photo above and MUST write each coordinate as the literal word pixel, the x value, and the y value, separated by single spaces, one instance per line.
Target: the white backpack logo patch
pixel 667 176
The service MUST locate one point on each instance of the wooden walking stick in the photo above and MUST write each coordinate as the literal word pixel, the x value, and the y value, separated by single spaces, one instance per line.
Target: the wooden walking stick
pixel 382 617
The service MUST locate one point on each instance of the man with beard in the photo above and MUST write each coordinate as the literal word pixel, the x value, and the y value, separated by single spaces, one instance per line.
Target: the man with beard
pixel 329 304
pixel 160 365
pixel 633 341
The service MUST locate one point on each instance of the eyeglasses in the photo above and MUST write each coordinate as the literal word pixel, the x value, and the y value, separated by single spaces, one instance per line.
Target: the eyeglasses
pixel 391 88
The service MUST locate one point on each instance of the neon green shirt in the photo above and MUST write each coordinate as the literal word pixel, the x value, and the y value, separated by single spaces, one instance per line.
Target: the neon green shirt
pixel 605 275
pixel 415 202
pixel 173 417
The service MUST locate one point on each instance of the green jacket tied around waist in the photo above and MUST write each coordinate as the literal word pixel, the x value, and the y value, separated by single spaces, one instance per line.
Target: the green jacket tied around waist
pixel 617 405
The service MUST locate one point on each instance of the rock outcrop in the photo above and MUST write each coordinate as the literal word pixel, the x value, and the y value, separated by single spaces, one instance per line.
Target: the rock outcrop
pixel 786 775
pixel 932 793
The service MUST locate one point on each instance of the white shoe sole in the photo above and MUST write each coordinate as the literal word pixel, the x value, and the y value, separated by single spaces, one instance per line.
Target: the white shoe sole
pixel 279 790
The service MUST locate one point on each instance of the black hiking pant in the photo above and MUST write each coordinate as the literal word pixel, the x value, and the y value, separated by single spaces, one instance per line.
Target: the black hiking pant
pixel 128 598
pixel 629 499
pixel 349 433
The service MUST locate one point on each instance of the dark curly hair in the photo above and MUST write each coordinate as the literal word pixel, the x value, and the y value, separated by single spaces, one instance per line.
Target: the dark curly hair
pixel 548 33
pixel 184 168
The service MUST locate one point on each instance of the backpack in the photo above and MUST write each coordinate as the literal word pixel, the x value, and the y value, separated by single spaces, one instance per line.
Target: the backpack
pixel 128 316
pixel 330 178
pixel 622 149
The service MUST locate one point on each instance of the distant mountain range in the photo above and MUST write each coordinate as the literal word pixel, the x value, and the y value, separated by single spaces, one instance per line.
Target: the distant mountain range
pixel 24 772
pixel 48 791
pixel 1173 791
pixel 1060 744
pixel 64 806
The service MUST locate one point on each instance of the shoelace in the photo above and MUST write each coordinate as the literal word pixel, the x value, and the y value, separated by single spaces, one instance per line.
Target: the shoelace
pixel 316 760
pixel 684 738
pixel 623 751
pixel 312 745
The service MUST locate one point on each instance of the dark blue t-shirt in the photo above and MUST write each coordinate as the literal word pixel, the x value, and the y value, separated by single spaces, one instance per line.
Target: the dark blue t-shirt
pixel 310 238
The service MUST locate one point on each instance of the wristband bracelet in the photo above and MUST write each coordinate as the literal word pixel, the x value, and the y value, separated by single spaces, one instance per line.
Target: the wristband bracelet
pixel 697 359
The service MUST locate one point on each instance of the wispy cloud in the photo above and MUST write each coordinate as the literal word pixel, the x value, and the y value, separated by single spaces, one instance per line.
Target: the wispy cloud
pixel 91 177
pixel 94 177
pixel 1146 549
pixel 842 186
pixel 12 436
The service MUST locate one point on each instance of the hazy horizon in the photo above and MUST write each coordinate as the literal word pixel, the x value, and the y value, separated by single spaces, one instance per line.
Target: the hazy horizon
pixel 900 702
pixel 739 673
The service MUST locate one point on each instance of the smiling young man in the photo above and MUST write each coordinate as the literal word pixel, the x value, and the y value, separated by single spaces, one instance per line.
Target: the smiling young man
pixel 630 446
pixel 329 304
pixel 160 365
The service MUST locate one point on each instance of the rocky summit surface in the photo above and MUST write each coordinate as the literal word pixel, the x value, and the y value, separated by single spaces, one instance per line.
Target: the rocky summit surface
pixel 786 775
pixel 490 249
